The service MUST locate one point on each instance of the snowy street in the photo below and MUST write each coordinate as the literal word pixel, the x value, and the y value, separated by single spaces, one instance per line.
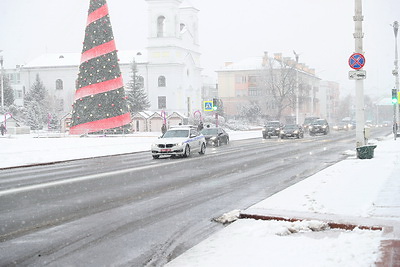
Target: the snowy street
pixel 150 211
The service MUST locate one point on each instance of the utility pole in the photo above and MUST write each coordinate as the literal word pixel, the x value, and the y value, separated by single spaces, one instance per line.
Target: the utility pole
pixel 2 81
pixel 360 116
pixel 396 75
pixel 297 87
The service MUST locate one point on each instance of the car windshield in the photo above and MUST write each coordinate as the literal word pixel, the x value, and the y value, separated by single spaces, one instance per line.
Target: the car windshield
pixel 317 122
pixel 273 124
pixel 176 133
pixel 309 120
pixel 213 131
pixel 290 127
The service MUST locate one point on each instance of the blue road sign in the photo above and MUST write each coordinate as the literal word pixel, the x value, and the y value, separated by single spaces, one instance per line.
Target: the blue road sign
pixel 356 61
pixel 208 106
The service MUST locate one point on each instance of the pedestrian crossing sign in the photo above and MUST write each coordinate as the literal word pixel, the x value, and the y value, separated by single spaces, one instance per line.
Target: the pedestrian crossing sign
pixel 208 106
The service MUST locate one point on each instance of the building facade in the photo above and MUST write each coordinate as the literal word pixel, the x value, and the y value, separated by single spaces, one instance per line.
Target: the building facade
pixel 169 65
pixel 329 95
pixel 273 84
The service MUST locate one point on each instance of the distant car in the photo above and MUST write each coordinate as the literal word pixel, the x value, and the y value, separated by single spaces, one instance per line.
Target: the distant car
pixel 292 130
pixel 180 141
pixel 341 126
pixel 272 128
pixel 307 122
pixel 215 136
pixel 319 126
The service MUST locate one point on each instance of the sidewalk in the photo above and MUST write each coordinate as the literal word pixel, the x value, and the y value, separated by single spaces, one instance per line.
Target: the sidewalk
pixel 345 215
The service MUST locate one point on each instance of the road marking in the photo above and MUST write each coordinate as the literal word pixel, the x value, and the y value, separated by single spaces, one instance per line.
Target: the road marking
pixel 74 180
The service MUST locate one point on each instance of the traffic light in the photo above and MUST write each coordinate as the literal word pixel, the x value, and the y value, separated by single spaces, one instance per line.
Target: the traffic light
pixel 394 96
pixel 215 104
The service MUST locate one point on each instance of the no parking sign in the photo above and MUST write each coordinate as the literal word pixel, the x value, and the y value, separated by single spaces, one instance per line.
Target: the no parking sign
pixel 356 61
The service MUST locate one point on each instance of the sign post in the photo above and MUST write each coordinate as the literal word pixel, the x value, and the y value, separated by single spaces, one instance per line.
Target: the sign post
pixel 356 62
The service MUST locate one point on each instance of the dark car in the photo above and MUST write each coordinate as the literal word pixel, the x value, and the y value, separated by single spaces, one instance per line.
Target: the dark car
pixel 272 128
pixel 292 130
pixel 215 136
pixel 307 122
pixel 319 126
pixel 341 126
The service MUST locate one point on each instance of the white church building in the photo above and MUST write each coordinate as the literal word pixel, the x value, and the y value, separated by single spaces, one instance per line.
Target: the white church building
pixel 169 65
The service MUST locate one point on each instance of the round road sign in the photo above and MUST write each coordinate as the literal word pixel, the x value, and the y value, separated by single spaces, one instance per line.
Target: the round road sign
pixel 356 61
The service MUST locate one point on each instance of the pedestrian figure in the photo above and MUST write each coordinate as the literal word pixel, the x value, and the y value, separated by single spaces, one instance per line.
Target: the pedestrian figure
pixel 163 128
pixel 3 129
pixel 200 126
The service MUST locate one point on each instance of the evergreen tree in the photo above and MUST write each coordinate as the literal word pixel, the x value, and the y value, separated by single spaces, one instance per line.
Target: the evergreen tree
pixel 37 92
pixel 8 92
pixel 34 115
pixel 137 97
pixel 100 102
pixel 36 104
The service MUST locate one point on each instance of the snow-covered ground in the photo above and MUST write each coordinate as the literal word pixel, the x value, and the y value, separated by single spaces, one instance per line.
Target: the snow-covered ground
pixel 353 191
pixel 18 150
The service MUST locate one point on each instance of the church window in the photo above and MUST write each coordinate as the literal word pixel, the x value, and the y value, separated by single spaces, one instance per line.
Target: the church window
pixel 140 81
pixel 160 26
pixel 162 102
pixel 162 81
pixel 59 84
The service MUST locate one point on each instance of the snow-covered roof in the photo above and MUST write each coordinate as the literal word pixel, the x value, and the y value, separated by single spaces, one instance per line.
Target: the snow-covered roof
pixel 54 60
pixel 73 59
pixel 187 4
pixel 387 101
pixel 177 113
pixel 250 63
pixel 126 56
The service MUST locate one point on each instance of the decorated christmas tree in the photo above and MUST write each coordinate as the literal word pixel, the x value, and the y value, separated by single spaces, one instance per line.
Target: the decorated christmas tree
pixel 100 102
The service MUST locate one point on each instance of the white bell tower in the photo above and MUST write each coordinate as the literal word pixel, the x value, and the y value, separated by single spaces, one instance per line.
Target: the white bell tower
pixel 173 56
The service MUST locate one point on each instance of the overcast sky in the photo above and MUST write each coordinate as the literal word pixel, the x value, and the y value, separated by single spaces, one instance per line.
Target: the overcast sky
pixel 321 31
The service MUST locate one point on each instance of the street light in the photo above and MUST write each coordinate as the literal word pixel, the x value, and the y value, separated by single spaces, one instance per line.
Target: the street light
pixel 396 75
pixel 297 87
pixel 2 81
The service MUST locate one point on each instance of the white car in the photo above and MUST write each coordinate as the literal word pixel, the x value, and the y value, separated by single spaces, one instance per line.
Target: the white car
pixel 179 142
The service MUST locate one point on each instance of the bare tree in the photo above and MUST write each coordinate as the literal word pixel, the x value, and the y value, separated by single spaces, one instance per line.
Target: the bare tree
pixel 278 79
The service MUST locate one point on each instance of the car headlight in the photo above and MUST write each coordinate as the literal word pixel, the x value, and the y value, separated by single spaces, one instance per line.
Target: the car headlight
pixel 324 126
pixel 296 132
pixel 213 138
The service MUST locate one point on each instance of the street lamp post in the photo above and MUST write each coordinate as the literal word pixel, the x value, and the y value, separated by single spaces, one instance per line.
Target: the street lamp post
pixel 2 81
pixel 396 75
pixel 358 36
pixel 297 87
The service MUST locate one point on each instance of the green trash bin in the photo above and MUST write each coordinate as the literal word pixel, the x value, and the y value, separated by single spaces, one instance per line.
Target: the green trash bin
pixel 366 152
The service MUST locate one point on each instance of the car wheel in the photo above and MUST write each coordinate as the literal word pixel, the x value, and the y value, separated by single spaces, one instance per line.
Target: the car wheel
pixel 218 142
pixel 156 156
pixel 227 141
pixel 202 149
pixel 187 151
pixel 264 136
